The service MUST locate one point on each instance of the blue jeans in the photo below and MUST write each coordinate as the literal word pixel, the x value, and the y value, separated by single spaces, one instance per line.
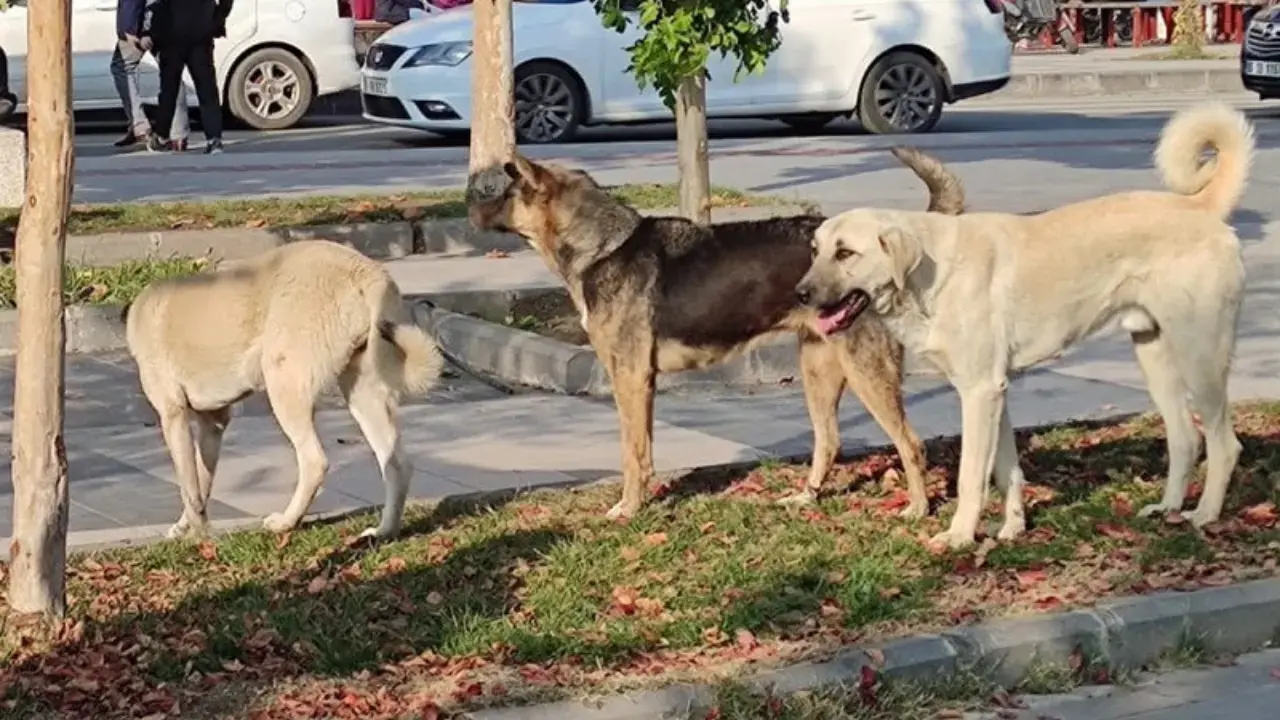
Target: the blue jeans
pixel 124 71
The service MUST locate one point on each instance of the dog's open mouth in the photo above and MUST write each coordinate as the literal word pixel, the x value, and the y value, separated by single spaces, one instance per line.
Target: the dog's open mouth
pixel 838 316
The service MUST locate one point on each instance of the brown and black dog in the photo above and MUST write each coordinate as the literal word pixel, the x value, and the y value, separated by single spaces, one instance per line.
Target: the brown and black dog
pixel 665 294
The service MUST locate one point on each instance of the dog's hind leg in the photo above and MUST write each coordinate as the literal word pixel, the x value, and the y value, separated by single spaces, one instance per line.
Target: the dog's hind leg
pixel 374 408
pixel 872 362
pixel 170 404
pixel 824 383
pixel 293 397
pixel 1169 395
pixel 1009 479
pixel 211 425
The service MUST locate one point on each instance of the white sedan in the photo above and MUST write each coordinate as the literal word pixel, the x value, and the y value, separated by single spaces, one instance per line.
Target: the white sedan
pixel 276 59
pixel 892 64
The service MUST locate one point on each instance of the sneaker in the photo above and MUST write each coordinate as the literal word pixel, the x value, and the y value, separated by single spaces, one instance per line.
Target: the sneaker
pixel 130 139
pixel 213 147
pixel 157 144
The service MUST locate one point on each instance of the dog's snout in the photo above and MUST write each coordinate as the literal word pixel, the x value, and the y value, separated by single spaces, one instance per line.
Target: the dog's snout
pixel 803 294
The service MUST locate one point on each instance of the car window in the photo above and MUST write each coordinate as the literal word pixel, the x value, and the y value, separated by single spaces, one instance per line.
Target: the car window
pixel 12 3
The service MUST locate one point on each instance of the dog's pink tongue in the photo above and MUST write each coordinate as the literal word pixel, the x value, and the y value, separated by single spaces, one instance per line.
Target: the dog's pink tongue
pixel 828 324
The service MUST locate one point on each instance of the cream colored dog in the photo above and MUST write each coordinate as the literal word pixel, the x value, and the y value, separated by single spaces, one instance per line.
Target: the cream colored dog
pixel 292 321
pixel 985 295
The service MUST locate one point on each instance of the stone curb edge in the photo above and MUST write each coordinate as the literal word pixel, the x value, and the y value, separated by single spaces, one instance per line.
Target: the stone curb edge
pixel 1120 82
pixel 1125 632
pixel 380 241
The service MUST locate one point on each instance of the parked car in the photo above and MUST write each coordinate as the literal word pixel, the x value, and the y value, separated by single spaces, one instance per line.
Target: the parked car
pixel 8 101
pixel 1260 52
pixel 889 63
pixel 277 58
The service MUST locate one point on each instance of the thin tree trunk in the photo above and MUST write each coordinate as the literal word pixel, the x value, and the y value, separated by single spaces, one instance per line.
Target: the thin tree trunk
pixel 38 549
pixel 493 138
pixel 691 149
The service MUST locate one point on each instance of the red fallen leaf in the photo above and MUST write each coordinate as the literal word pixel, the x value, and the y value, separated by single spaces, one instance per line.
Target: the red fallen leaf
pixel 650 607
pixel 1121 506
pixel 713 714
pixel 897 500
pixel 867 682
pixel 1028 578
pixel 317 585
pixel 395 564
pixel 466 692
pixel 1049 602
pixel 208 551
pixel 1117 532
pixel 746 639
pixel 624 600
pixel 1260 515
pixel 749 486
pixel 655 539
pixel 1194 491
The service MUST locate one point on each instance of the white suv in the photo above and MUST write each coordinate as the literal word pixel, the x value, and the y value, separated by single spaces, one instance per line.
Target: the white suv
pixel 893 64
pixel 277 58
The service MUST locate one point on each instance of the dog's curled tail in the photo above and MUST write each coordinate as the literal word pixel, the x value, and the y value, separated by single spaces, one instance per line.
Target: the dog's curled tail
pixel 946 192
pixel 416 367
pixel 1219 183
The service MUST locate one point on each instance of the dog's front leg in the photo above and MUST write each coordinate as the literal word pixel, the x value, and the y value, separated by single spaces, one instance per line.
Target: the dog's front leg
pixel 981 406
pixel 632 374
pixel 175 425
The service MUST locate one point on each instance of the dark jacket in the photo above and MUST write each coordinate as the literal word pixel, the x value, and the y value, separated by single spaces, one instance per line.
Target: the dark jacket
pixel 188 22
pixel 129 15
pixel 395 11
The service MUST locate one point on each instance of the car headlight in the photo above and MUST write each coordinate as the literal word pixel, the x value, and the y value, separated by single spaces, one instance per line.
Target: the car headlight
pixel 450 54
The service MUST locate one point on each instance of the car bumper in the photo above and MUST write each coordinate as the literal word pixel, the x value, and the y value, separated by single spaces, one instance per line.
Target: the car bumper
pixel 428 97
pixel 978 67
pixel 1265 85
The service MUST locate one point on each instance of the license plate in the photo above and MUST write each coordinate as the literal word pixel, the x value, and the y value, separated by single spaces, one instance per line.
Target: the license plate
pixel 374 86
pixel 1260 68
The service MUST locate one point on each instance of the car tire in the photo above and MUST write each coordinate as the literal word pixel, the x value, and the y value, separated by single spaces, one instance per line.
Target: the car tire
pixel 902 93
pixel 812 122
pixel 550 103
pixel 270 89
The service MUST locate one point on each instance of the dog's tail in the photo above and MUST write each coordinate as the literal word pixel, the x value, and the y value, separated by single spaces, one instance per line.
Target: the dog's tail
pixel 1219 183
pixel 408 359
pixel 946 192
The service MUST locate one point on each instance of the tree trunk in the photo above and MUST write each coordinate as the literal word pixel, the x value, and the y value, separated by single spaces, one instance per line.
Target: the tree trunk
pixel 493 136
pixel 691 149
pixel 38 549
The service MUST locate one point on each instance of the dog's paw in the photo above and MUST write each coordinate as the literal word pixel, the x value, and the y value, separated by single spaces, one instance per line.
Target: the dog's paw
pixel 622 511
pixel 800 499
pixel 1157 509
pixel 1200 517
pixel 177 530
pixel 915 510
pixel 278 523
pixel 953 540
pixel 1012 529
pixel 379 533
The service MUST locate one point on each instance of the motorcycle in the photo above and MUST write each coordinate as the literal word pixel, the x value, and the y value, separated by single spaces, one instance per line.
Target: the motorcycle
pixel 1029 19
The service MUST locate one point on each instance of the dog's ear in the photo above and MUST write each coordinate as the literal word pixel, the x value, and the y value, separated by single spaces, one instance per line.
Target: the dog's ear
pixel 904 253
pixel 527 172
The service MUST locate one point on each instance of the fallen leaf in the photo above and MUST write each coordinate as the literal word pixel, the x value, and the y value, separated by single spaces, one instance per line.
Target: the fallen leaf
pixel 208 550
pixel 496 254
pixel 1116 532
pixel 746 640
pixel 1029 578
pixel 317 585
pixel 434 598
pixel 1121 506
pixel 655 539
pixel 256 223
pixel 1260 515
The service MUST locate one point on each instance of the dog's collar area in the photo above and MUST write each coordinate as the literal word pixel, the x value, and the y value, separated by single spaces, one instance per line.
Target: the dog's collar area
pixel 840 315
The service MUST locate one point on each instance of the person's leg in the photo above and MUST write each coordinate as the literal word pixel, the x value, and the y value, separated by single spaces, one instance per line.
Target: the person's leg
pixel 171 60
pixel 180 129
pixel 124 72
pixel 200 64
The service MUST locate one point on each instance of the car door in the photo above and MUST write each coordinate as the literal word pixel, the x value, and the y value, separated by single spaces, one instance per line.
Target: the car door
pixel 13 38
pixel 823 48
pixel 93 40
pixel 622 98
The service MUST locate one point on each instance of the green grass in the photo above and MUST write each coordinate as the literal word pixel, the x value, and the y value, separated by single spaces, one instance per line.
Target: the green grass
pixel 114 285
pixel 274 213
pixel 541 596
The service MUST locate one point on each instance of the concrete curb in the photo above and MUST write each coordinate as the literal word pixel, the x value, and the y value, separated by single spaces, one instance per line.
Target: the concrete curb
pixel 524 358
pixel 1126 633
pixel 1121 82
pixel 380 241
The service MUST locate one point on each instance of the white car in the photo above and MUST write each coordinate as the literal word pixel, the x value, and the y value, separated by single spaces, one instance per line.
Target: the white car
pixel 892 64
pixel 277 57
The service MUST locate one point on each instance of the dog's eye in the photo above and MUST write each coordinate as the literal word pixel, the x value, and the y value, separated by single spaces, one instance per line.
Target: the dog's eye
pixel 844 254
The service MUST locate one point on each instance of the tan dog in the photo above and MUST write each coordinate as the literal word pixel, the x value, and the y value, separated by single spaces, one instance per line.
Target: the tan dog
pixel 985 295
pixel 292 321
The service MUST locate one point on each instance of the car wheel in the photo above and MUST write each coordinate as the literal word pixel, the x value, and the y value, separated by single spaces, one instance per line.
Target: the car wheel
pixel 903 93
pixel 809 123
pixel 549 103
pixel 271 89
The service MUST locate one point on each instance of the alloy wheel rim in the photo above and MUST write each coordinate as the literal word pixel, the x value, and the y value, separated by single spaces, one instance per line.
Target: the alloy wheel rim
pixel 906 97
pixel 272 90
pixel 544 107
